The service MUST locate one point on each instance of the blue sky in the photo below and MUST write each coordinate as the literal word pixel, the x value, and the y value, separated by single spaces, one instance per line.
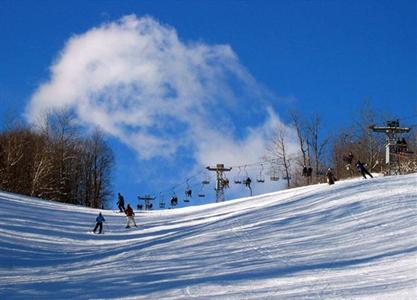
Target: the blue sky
pixel 252 60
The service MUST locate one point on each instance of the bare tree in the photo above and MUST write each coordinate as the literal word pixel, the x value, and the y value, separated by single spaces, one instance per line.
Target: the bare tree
pixel 304 147
pixel 370 147
pixel 62 137
pixel 98 162
pixel 302 141
pixel 317 143
pixel 278 151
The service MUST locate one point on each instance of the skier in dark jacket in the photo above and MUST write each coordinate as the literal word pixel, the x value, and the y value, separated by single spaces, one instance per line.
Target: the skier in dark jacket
pixel 330 176
pixel 305 171
pixel 361 168
pixel 120 202
pixel 99 223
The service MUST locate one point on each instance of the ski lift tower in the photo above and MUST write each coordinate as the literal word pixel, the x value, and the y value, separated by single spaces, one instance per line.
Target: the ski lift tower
pixel 221 180
pixel 392 131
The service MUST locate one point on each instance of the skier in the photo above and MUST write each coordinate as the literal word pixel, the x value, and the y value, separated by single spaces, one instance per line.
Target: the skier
pixel 99 223
pixel 361 168
pixel 120 202
pixel 130 215
pixel 305 171
pixel 330 176
pixel 309 171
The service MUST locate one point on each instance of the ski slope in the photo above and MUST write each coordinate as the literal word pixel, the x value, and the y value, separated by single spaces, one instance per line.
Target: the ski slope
pixel 356 239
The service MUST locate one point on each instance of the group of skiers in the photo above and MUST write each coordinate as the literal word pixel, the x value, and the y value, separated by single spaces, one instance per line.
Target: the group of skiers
pixel 331 178
pixel 130 215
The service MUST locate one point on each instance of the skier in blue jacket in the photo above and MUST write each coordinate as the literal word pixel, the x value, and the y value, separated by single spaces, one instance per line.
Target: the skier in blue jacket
pixel 100 219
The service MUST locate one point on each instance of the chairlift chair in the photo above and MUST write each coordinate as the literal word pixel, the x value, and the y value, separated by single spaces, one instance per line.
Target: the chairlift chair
pixel 188 195
pixel 247 181
pixel 261 177
pixel 201 191
pixel 274 178
pixel 237 179
pixel 147 199
pixel 174 200
pixel 206 179
pixel 161 201
pixel 188 192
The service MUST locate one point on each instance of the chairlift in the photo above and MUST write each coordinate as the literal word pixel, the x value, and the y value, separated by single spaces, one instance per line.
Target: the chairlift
pixel 174 199
pixel 206 179
pixel 188 192
pixel 247 183
pixel 261 177
pixel 161 201
pixel 274 176
pixel 147 199
pixel 237 178
pixel 201 192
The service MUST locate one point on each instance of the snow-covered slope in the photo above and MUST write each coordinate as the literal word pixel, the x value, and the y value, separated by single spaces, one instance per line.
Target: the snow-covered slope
pixel 356 239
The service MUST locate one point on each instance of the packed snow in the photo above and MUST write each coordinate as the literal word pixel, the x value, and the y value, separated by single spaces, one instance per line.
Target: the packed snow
pixel 356 239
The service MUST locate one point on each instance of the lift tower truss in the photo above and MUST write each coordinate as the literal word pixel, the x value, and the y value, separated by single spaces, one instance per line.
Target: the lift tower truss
pixel 222 181
pixel 392 131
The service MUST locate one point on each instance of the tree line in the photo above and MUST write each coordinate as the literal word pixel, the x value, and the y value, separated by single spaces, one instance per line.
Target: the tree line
pixel 56 161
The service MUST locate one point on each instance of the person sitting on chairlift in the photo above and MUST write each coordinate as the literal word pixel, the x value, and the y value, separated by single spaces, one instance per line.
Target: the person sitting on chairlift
pixel 174 201
pixel 247 182
pixel 188 193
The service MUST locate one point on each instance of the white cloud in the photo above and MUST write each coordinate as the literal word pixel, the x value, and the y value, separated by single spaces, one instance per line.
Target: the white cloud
pixel 141 84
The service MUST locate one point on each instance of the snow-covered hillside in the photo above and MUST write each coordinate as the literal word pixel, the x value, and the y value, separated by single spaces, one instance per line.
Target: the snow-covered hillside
pixel 354 240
